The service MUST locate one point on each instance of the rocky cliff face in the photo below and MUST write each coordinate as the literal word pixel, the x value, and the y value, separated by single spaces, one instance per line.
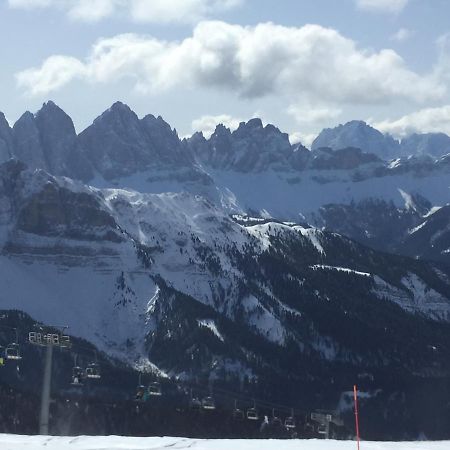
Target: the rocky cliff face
pixel 358 134
pixel 119 144
pixel 6 139
pixel 116 265
pixel 251 148
pixel 251 170
pixel 434 144
pixel 175 282
pixel 47 140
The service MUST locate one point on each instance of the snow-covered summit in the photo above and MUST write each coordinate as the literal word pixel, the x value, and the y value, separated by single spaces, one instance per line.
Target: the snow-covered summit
pixel 359 134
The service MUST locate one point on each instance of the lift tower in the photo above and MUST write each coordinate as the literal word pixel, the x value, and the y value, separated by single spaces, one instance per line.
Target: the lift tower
pixel 49 341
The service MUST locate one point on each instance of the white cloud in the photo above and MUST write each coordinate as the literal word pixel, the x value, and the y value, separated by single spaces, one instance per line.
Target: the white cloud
pixel 207 124
pixel 313 114
pixel 311 65
pixel 428 120
pixel 55 72
pixel 92 10
pixel 402 35
pixel 161 11
pixel 30 4
pixel 178 10
pixel 384 6
pixel 305 139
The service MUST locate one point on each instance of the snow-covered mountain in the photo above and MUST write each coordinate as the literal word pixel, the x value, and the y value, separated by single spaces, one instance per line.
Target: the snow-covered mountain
pixel 430 238
pixel 358 134
pixel 120 267
pixel 361 135
pixel 434 144
pixel 197 258
pixel 173 283
pixel 253 169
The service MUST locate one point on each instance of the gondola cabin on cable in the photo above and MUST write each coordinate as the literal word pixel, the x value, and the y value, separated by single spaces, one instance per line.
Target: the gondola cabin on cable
pixel 155 389
pixel 141 394
pixel 289 423
pixel 252 414
pixel 93 371
pixel 208 403
pixel 12 352
pixel 77 376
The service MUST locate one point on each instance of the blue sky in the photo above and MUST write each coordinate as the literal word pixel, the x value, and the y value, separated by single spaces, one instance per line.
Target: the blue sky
pixel 300 64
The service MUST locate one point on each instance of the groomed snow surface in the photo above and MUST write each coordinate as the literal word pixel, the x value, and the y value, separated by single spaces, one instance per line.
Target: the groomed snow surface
pixel 13 442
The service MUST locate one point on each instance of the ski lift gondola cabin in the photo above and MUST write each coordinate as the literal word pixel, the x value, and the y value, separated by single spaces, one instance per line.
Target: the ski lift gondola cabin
pixel 208 403
pixel 252 414
pixel 12 352
pixel 93 371
pixel 155 389
pixel 141 394
pixel 289 423
pixel 77 376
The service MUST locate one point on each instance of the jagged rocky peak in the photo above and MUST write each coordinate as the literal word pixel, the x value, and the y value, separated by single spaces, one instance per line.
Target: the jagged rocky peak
pixel 6 140
pixel 119 144
pixel 52 118
pixel 434 144
pixel 58 138
pixel 251 147
pixel 27 142
pixel 358 134
pixel 47 140
pixel 164 140
pixel 159 125
pixel 118 115
pixel 254 128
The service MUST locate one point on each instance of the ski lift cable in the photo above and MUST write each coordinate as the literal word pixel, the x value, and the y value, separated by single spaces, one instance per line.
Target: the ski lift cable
pixel 248 399
pixel 219 392
pixel 265 404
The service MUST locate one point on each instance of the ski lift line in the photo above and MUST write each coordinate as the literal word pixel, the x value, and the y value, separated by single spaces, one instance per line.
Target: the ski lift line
pixel 219 392
pixel 251 400
pixel 260 403
pixel 264 404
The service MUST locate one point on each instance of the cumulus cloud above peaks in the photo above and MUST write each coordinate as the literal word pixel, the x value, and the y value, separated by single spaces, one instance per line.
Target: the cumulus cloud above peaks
pixel 160 11
pixel 207 124
pixel 384 6
pixel 311 62
pixel 427 120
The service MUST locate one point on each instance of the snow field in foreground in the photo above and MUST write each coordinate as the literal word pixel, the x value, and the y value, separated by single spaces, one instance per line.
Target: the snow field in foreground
pixel 14 442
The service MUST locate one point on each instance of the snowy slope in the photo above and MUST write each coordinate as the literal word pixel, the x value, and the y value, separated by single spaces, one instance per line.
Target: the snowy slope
pixel 138 273
pixel 11 442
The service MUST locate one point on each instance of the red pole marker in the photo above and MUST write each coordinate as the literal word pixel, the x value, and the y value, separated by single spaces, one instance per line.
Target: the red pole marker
pixel 355 395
